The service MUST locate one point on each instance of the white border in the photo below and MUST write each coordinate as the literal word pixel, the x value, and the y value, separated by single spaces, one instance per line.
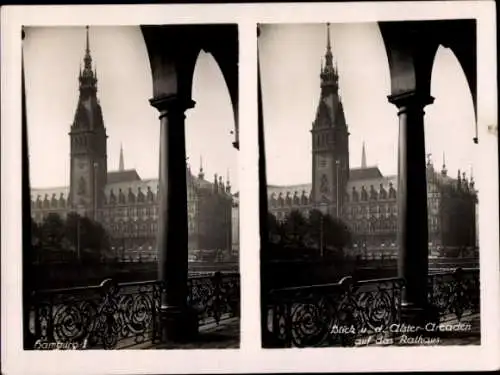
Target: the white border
pixel 250 358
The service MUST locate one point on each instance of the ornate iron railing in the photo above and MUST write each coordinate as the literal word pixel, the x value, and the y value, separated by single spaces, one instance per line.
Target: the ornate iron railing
pixel 112 316
pixel 348 312
pixel 455 294
pixel 214 298
pixel 332 314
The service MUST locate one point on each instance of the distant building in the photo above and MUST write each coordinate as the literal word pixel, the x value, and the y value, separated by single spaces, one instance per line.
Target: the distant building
pixel 236 224
pixel 363 197
pixel 125 204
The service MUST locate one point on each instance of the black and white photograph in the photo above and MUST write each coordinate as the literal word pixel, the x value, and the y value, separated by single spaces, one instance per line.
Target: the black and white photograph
pixel 371 205
pixel 249 188
pixel 132 166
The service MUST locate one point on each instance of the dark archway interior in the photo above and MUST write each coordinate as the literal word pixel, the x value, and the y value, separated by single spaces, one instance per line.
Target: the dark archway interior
pixel 173 51
pixel 411 48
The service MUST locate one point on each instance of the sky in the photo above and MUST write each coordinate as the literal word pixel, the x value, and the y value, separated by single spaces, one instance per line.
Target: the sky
pixel 53 56
pixel 290 58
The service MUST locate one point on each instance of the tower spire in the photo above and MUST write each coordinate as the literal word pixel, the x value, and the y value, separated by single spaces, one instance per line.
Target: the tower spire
pixel 88 58
pixel 329 77
pixel 121 168
pixel 328 43
pixel 444 171
pixel 328 54
pixel 201 174
pixel 88 44
pixel 87 77
pixel 363 156
pixel 228 183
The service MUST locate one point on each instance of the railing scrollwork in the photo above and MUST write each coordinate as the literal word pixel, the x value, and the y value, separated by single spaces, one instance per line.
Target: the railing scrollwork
pixel 348 312
pixel 111 315
pixel 332 314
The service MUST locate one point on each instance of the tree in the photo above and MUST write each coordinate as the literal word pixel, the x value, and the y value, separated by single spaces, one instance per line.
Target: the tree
pixel 315 223
pixel 86 235
pixel 337 233
pixel 35 234
pixel 52 232
pixel 274 228
pixel 295 229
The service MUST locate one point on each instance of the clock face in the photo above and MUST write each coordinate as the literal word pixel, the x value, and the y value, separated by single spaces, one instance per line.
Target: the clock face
pixel 83 165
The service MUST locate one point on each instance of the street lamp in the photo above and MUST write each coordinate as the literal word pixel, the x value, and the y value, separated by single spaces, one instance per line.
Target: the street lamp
pixel 78 237
pixel 337 165
pixel 136 238
pixel 96 165
pixel 321 244
pixel 323 210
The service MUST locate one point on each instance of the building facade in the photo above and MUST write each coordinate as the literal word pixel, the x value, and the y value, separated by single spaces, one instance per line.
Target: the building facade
pixel 124 203
pixel 363 197
pixel 235 214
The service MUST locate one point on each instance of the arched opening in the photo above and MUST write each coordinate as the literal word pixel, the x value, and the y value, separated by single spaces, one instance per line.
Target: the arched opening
pixel 451 115
pixel 211 155
pixel 452 163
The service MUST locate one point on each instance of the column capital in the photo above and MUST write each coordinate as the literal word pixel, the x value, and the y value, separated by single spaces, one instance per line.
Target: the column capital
pixel 171 104
pixel 411 100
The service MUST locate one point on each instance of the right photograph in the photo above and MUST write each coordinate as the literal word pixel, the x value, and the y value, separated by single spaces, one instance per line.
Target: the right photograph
pixel 368 142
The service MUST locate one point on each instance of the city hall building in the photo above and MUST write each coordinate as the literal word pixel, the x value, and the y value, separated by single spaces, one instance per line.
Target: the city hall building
pixel 124 203
pixel 363 197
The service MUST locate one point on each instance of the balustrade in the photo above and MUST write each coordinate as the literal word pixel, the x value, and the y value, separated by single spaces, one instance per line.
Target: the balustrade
pixel 113 316
pixel 345 313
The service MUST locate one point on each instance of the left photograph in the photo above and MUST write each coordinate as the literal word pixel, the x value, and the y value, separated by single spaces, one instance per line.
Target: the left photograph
pixel 130 187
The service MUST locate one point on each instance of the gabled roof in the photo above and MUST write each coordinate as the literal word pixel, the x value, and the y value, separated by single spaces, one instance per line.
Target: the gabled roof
pixel 364 173
pixel 127 175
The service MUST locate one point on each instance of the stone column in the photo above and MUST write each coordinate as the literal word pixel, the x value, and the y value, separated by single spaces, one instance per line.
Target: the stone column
pixel 27 247
pixel 412 234
pixel 265 268
pixel 178 322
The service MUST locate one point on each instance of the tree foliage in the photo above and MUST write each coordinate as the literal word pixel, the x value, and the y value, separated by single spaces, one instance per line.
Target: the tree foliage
pixel 316 231
pixel 75 235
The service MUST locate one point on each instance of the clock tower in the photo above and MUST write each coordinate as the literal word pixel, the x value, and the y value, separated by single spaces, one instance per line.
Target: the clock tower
pixel 88 144
pixel 330 142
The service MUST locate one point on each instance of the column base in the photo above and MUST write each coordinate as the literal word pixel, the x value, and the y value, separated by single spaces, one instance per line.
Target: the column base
pixel 178 324
pixel 421 317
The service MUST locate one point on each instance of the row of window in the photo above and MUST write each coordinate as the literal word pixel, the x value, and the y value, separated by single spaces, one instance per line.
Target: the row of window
pixel 130 211
pixel 146 211
pixel 375 226
pixel 143 228
pixel 373 209
pixel 132 228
